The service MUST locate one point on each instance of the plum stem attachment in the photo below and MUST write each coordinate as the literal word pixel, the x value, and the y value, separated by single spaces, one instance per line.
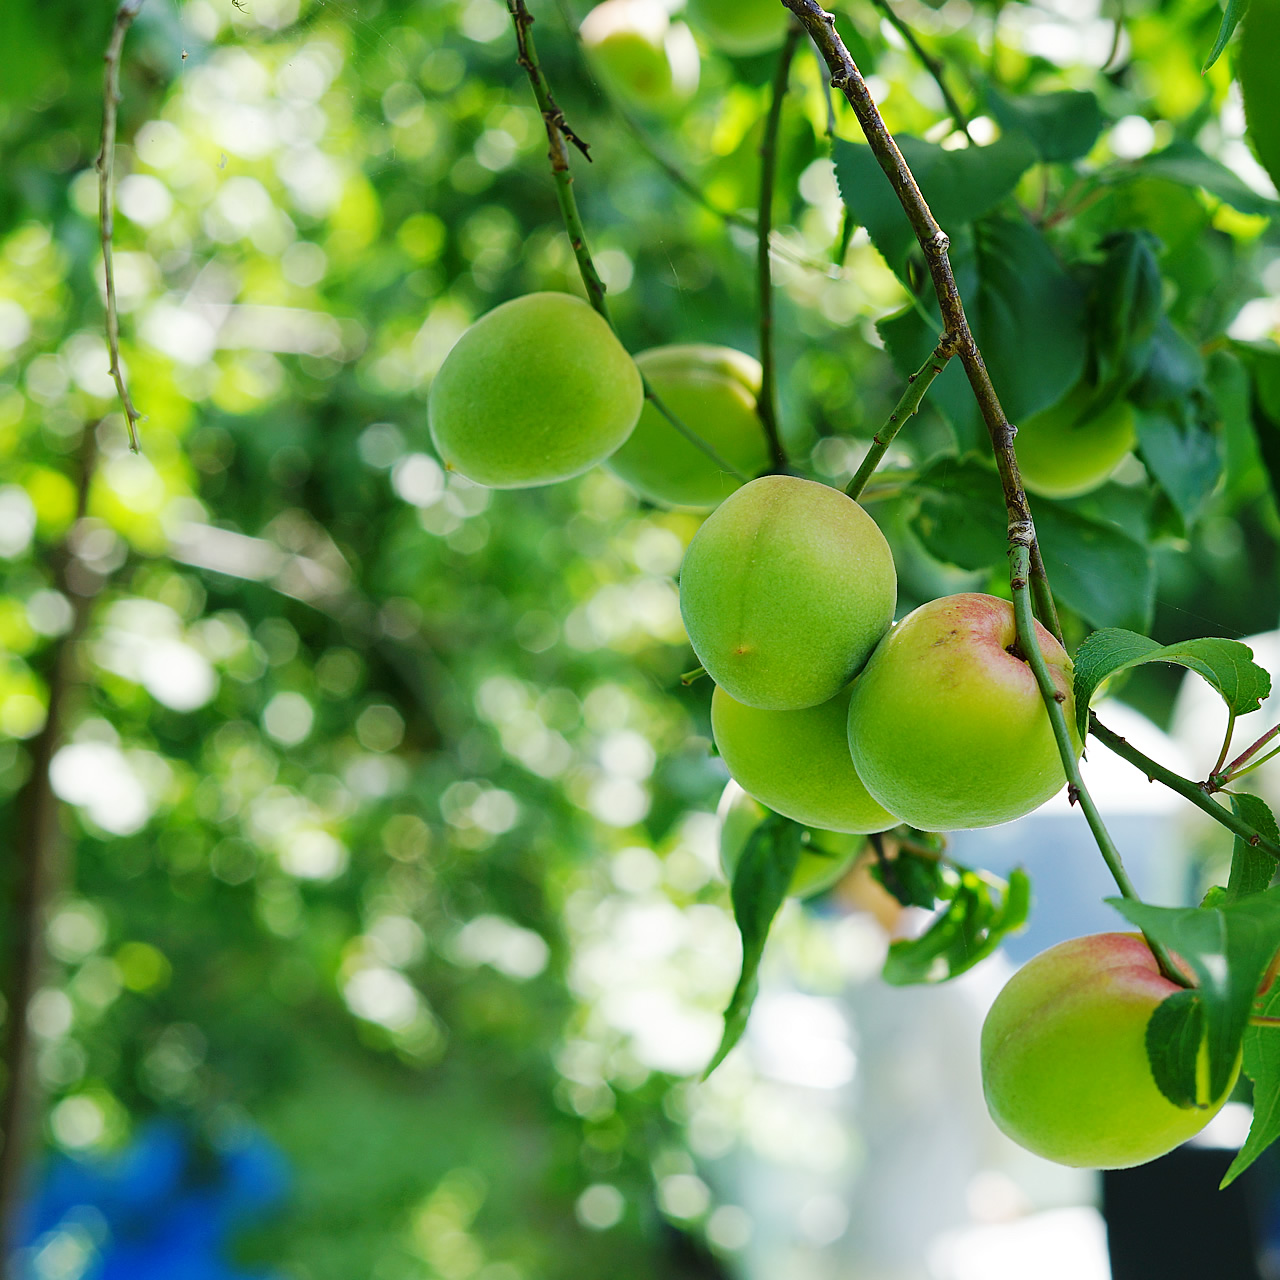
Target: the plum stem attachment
pixel 1020 539
pixel 932 65
pixel 106 166
pixel 908 405
pixel 1193 791
pixel 934 244
pixel 558 131
pixel 767 400
pixel 691 677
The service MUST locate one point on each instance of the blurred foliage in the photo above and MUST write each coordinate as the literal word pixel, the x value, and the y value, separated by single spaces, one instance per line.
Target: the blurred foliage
pixel 388 821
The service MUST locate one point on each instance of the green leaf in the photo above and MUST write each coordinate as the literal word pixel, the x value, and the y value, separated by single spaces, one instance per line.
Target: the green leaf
pixel 1252 869
pixel 959 186
pixel 1227 665
pixel 968 928
pixel 1125 305
pixel 1231 16
pixel 913 879
pixel 960 518
pixel 1182 456
pixel 1263 366
pixel 1027 316
pixel 1183 162
pixel 1262 1066
pixel 1174 1035
pixel 1228 949
pixel 1061 126
pixel 760 883
pixel 1096 568
pixel 1174 368
pixel 1259 84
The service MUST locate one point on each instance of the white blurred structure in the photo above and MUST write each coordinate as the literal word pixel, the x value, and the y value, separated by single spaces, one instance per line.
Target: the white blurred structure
pixel 911 1180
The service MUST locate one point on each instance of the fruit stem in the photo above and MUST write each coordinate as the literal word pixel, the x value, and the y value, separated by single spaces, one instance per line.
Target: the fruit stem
pixel 1234 768
pixel 1029 642
pixel 1193 791
pixel 558 131
pixel 1220 780
pixel 931 64
pixel 909 404
pixel 767 401
pixel 106 167
pixel 934 243
pixel 689 677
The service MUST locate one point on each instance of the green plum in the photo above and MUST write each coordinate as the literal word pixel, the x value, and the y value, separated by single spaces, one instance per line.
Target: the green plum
pixel 825 859
pixel 1074 446
pixel 641 54
pixel 1064 1059
pixel 712 390
pixel 797 763
pixel 946 725
pixel 785 591
pixel 537 390
pixel 741 27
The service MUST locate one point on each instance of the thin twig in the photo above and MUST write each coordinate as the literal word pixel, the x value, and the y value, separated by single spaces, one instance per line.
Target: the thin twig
pixel 1223 780
pixel 1189 790
pixel 1226 746
pixel 917 385
pixel 106 166
pixel 846 77
pixel 558 131
pixel 36 872
pixel 767 401
pixel 1033 655
pixel 931 64
pixel 1244 756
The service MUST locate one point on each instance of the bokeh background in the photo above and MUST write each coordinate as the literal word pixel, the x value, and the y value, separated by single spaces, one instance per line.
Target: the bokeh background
pixel 387 935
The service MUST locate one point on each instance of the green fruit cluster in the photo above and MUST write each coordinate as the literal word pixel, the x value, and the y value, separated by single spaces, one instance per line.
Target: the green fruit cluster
pixel 824 710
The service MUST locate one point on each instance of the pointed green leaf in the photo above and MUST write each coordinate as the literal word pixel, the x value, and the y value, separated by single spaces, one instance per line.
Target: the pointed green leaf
pixel 1259 84
pixel 1230 18
pixel 1061 126
pixel 1227 665
pixel 1262 1066
pixel 1251 869
pixel 1174 1035
pixel 760 883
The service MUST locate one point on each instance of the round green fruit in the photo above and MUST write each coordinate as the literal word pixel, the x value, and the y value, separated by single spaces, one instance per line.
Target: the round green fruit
pixel 825 859
pixel 1073 446
pixel 785 591
pixel 537 390
pixel 946 725
pixel 640 54
pixel 712 390
pixel 797 763
pixel 1064 1058
pixel 741 27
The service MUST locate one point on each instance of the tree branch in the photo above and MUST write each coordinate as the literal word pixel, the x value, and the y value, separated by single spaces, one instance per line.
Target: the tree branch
pixel 931 64
pixel 767 401
pixel 36 873
pixel 106 167
pixel 846 77
pixel 1189 790
pixel 909 404
pixel 558 131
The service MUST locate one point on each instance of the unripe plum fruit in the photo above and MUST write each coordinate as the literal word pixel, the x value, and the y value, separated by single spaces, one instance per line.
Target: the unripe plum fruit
pixel 712 390
pixel 825 858
pixel 1064 1059
pixel 641 54
pixel 797 763
pixel 1071 447
pixel 741 27
pixel 785 590
pixel 537 390
pixel 946 725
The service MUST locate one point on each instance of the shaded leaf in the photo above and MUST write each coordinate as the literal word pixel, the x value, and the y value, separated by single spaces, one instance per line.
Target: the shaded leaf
pixel 1184 458
pixel 1259 84
pixel 1262 1066
pixel 1126 303
pixel 760 883
pixel 1227 665
pixel 961 516
pixel 1251 869
pixel 1183 162
pixel 1174 1035
pixel 1061 126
